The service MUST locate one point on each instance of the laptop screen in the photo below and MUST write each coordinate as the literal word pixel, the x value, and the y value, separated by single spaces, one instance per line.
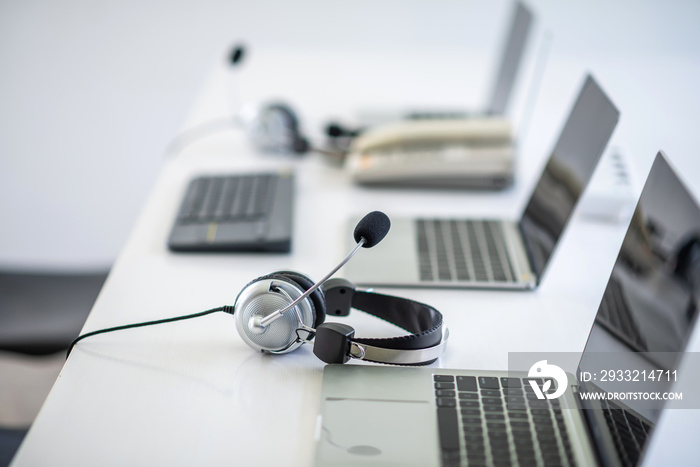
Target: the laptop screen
pixel 510 61
pixel 649 307
pixel 570 166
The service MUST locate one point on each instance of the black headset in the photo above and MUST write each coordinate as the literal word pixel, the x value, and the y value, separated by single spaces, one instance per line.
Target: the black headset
pixel 272 128
pixel 279 312
pixel 335 342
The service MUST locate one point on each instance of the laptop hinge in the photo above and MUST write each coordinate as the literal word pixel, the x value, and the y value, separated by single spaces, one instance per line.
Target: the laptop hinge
pixel 528 250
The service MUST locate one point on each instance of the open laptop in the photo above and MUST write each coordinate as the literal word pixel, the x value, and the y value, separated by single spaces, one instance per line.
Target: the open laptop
pixel 511 58
pixel 445 148
pixel 433 416
pixel 496 253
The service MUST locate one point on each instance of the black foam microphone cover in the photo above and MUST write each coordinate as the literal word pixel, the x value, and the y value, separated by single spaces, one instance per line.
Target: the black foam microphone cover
pixel 237 54
pixel 335 130
pixel 373 228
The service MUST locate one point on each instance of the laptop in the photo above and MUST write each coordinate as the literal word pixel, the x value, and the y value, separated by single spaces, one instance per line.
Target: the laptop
pixel 511 59
pixel 447 148
pixel 498 253
pixel 521 23
pixel 406 416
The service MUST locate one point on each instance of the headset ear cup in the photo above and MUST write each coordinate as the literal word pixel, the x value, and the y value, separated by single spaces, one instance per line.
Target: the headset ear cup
pixel 318 298
pixel 294 141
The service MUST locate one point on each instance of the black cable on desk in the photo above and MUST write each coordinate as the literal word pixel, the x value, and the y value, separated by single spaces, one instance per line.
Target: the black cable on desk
pixel 226 308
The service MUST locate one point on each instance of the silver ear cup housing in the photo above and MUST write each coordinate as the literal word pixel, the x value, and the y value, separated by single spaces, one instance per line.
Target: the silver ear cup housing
pixel 264 297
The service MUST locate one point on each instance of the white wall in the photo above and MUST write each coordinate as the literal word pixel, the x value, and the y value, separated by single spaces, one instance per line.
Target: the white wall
pixel 91 92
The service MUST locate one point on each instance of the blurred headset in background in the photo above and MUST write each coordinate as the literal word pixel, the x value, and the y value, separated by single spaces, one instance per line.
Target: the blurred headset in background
pixel 272 128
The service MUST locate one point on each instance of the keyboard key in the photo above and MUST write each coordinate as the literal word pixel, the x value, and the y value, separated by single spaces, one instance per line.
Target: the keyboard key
pixel 501 455
pixel 469 395
pixel 472 429
pixel 511 382
pixel 466 383
pixel 450 455
pixel 523 444
pixel 476 459
pixel 521 428
pixel 515 407
pixel 444 385
pixel 522 435
pixel 443 378
pixel 523 449
pixel 486 382
pixel 494 416
pixel 491 401
pixel 502 462
pixel 519 424
pixel 490 393
pixel 526 459
pixel 495 425
pixel 446 402
pixel 499 444
pixel 538 404
pixel 551 458
pixel 474 447
pixel 468 403
pixel 493 408
pixel 448 428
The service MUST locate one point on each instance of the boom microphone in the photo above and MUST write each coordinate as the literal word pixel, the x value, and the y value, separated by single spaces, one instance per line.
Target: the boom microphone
pixel 373 228
pixel 369 231
pixel 235 59
pixel 237 54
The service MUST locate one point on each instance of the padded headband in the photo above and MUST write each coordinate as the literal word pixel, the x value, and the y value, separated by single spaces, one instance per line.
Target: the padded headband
pixel 335 342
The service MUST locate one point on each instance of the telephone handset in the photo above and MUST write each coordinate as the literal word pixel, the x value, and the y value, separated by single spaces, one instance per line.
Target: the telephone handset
pixel 458 153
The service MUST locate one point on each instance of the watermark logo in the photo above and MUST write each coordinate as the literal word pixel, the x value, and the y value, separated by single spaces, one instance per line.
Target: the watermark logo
pixel 542 369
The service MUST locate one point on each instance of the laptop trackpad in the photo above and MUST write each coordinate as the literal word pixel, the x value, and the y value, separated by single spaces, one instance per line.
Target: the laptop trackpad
pixel 369 432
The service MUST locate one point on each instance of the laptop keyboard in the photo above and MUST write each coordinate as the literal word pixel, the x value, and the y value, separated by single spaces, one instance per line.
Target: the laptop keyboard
pixel 498 422
pixel 463 250
pixel 629 432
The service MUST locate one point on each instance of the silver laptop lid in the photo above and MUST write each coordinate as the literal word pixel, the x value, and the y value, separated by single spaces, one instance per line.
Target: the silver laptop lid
pixel 568 170
pixel 511 58
pixel 649 308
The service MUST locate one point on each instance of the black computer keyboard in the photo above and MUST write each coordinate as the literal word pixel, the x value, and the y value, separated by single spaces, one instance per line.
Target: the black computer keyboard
pixel 499 422
pixel 249 212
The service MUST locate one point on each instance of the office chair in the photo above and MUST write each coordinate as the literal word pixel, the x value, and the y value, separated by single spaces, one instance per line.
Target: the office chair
pixel 40 314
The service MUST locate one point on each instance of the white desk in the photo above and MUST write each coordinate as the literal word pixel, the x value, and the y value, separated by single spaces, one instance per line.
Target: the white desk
pixel 192 393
